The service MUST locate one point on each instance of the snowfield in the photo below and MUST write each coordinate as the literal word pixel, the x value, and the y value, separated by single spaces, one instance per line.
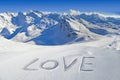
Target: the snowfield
pixel 80 61
pixel 59 46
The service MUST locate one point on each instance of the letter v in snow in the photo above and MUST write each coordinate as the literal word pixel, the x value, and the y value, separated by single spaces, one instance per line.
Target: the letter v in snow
pixel 72 63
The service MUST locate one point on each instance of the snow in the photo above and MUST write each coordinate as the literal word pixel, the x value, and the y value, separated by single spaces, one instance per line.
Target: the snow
pixel 20 61
pixel 74 12
pixel 52 46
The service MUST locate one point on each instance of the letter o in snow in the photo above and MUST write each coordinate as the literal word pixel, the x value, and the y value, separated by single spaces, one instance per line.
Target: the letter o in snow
pixel 49 64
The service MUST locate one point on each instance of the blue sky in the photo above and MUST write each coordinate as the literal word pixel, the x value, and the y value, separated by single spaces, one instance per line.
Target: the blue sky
pixel 107 6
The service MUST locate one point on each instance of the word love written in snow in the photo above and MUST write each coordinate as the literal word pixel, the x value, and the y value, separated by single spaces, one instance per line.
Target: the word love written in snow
pixel 85 64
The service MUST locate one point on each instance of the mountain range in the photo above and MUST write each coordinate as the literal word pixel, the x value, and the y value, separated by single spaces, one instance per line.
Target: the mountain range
pixel 59 46
pixel 53 28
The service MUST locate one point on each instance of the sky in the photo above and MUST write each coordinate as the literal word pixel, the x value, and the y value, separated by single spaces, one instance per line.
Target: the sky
pixel 107 6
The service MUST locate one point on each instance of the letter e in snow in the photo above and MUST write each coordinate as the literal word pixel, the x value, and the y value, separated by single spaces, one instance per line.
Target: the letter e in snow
pixel 85 65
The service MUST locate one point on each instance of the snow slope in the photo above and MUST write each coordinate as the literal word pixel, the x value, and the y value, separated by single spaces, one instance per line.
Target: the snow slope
pixel 20 61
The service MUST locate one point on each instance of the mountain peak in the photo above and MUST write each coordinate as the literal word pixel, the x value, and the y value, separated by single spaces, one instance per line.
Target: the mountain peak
pixel 74 12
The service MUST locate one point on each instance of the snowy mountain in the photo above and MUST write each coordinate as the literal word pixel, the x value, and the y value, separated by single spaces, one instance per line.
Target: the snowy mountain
pixel 50 28
pixel 91 49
